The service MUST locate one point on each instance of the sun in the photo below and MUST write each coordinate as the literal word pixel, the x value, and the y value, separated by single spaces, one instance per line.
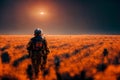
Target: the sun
pixel 42 13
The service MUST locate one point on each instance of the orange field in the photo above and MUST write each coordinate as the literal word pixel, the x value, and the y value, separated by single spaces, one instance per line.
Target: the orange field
pixel 77 57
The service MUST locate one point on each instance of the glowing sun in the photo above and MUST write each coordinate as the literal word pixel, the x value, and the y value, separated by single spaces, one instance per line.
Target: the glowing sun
pixel 42 13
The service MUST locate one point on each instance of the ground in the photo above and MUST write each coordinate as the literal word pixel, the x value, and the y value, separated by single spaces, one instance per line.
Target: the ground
pixel 71 57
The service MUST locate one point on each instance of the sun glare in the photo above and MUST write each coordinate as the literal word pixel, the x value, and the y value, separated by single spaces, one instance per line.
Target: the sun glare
pixel 42 13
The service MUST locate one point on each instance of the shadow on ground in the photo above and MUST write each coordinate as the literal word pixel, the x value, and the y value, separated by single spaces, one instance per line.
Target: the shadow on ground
pixel 8 77
pixel 18 61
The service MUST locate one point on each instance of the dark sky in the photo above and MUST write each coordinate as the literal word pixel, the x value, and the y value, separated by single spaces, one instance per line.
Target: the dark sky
pixel 61 16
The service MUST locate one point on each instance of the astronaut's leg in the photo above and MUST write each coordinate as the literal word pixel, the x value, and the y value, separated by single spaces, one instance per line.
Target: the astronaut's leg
pixel 44 60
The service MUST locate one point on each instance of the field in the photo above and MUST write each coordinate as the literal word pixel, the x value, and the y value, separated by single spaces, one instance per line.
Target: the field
pixel 71 57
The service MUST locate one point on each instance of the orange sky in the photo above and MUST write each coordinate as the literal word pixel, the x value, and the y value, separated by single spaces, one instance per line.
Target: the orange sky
pixel 61 17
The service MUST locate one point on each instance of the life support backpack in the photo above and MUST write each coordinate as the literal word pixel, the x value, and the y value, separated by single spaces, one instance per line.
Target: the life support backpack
pixel 37 44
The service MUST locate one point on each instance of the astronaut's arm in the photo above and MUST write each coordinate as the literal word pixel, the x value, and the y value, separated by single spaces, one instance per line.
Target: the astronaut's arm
pixel 46 46
pixel 29 47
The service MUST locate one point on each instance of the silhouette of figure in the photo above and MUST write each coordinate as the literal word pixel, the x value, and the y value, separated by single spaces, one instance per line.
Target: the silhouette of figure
pixel 105 55
pixel 5 57
pixel 105 52
pixel 57 66
pixel 38 51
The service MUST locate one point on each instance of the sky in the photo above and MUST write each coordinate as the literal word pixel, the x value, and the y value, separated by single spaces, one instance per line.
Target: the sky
pixel 60 16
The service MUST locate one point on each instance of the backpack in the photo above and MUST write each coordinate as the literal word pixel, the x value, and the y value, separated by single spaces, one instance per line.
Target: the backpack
pixel 37 44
